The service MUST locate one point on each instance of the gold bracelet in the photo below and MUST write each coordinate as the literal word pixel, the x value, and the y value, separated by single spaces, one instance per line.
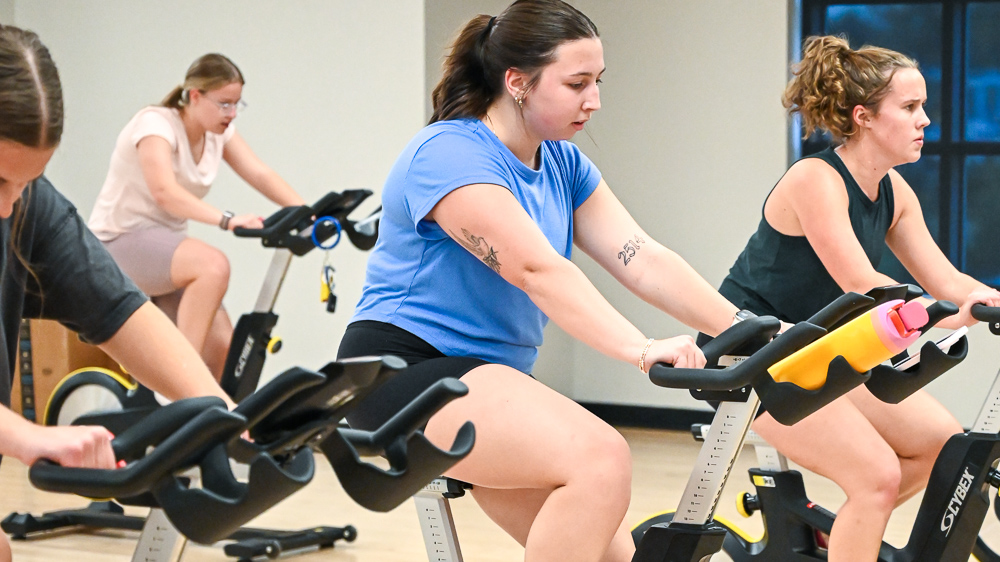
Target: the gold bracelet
pixel 642 358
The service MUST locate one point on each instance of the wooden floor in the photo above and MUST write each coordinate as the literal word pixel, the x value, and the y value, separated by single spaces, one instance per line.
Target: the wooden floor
pixel 661 460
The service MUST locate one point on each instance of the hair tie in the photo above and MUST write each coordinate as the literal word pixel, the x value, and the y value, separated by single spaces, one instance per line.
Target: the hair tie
pixel 185 97
pixel 488 29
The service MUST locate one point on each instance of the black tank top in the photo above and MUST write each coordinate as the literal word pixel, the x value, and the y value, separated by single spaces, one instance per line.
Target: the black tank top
pixel 782 276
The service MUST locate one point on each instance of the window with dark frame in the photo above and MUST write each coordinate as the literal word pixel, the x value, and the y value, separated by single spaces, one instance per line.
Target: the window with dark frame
pixel 957 179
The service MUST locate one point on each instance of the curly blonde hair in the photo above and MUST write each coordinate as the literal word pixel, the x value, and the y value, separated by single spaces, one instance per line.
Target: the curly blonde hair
pixel 832 79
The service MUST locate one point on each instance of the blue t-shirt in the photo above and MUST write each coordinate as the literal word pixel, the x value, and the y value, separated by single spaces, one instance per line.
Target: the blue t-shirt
pixel 422 281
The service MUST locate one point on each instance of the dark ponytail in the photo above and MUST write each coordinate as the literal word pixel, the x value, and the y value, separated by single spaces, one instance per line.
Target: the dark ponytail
pixel 525 36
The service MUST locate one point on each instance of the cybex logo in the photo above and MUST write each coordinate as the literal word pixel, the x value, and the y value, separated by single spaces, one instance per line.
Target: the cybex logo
pixel 957 499
pixel 244 356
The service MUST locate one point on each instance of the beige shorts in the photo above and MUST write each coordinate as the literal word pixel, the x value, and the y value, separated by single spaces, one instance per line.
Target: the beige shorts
pixel 145 256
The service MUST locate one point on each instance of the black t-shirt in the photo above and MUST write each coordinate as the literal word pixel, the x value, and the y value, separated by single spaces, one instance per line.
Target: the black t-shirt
pixel 72 279
pixel 782 276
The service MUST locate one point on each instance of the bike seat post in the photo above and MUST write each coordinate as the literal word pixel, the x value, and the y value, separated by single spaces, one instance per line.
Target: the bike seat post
pixel 768 458
pixel 436 521
pixel 272 280
pixel 988 420
pixel 160 541
pixel 715 460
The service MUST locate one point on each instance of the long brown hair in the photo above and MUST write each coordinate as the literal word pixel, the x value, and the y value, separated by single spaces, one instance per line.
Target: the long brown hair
pixel 524 36
pixel 31 106
pixel 31 103
pixel 832 79
pixel 208 72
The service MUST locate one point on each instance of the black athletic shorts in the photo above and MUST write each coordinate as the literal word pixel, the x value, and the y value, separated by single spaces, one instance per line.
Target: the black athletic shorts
pixel 427 365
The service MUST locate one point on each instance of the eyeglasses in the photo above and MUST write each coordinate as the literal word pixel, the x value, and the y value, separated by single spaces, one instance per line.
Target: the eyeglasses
pixel 228 107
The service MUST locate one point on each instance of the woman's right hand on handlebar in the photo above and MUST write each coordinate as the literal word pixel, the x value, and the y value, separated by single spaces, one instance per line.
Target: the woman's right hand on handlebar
pixel 71 446
pixel 246 221
pixel 679 351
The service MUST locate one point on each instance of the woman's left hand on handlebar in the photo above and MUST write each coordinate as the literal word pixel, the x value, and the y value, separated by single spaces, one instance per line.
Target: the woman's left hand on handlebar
pixel 679 351
pixel 246 221
pixel 989 297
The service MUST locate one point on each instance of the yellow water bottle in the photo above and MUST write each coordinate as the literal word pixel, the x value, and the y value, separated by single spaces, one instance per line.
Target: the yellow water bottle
pixel 864 342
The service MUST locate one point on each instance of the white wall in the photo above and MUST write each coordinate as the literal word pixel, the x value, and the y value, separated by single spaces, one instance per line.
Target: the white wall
pixel 335 90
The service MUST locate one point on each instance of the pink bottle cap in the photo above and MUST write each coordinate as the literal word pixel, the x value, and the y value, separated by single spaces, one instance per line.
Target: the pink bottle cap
pixel 897 323
pixel 914 316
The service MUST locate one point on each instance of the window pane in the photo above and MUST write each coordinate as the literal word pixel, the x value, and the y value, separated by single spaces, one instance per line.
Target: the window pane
pixel 912 29
pixel 982 74
pixel 924 177
pixel 982 207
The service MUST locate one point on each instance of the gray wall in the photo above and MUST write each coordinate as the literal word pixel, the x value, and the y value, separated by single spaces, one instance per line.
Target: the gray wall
pixel 7 11
pixel 335 90
pixel 690 131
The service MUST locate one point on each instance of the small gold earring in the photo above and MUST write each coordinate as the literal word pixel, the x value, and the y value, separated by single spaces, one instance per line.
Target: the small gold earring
pixel 520 101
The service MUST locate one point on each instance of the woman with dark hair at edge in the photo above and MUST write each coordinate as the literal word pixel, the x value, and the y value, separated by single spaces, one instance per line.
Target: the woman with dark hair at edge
pixel 824 229
pixel 480 213
pixel 51 266
pixel 163 164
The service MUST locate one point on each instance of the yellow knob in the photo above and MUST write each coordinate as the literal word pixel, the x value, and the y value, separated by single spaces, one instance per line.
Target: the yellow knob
pixel 741 506
pixel 274 345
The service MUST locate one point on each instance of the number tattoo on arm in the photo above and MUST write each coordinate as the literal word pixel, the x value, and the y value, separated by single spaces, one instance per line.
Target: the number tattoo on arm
pixel 630 248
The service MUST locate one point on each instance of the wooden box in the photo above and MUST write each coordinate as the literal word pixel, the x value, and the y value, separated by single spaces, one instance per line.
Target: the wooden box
pixel 51 353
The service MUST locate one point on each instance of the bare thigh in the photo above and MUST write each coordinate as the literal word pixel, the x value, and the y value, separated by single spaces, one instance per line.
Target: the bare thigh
pixel 527 435
pixel 917 426
pixel 834 442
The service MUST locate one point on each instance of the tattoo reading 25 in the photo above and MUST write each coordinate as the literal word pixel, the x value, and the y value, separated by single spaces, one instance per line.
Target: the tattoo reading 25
pixel 479 247
pixel 630 248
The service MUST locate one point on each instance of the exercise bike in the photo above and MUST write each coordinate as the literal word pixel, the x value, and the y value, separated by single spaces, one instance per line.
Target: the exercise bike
pixel 102 397
pixel 953 506
pixel 178 460
pixel 741 387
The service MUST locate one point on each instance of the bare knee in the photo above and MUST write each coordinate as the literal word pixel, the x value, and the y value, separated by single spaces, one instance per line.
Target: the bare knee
pixel 877 486
pixel 216 269
pixel 604 462
pixel 195 261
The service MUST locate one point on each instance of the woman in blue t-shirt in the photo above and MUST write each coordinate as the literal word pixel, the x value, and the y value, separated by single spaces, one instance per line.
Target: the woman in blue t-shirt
pixel 51 266
pixel 481 211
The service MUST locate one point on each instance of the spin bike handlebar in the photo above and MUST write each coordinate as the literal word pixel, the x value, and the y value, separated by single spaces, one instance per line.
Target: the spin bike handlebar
pixel 292 227
pixel 988 314
pixel 788 402
pixel 180 431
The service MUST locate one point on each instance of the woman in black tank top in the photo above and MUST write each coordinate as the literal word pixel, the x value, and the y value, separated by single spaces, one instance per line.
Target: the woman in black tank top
pixel 824 229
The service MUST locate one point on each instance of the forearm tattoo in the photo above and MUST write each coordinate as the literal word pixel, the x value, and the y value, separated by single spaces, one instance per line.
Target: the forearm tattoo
pixel 630 248
pixel 479 247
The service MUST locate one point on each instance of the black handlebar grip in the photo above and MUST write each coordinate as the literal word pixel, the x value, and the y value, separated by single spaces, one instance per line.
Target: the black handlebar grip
pixel 764 327
pixel 842 310
pixel 990 314
pixel 937 312
pixel 282 220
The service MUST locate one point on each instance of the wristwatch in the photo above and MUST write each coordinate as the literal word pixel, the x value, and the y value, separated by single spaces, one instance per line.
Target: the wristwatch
pixel 742 315
pixel 224 221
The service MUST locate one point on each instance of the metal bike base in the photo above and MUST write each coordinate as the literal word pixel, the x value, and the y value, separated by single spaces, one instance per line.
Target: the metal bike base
pixel 248 543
